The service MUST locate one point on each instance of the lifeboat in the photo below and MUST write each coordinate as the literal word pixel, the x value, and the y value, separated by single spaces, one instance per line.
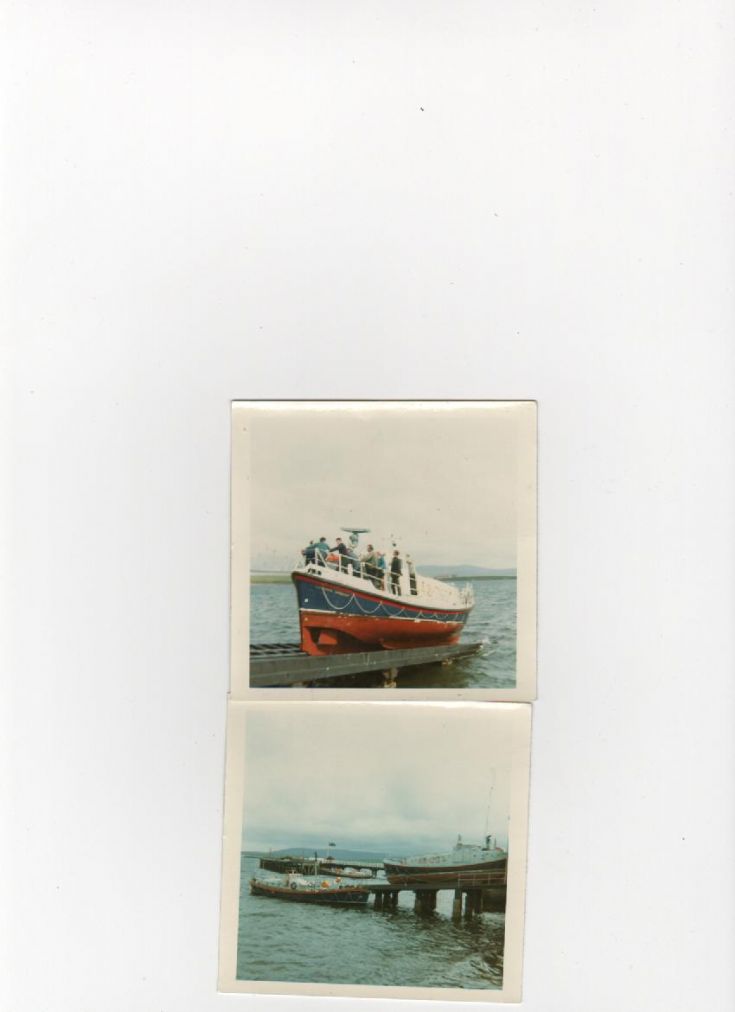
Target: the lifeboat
pixel 467 864
pixel 348 605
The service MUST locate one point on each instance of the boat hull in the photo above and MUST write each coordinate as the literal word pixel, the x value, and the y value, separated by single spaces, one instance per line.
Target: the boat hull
pixel 335 619
pixel 478 875
pixel 345 897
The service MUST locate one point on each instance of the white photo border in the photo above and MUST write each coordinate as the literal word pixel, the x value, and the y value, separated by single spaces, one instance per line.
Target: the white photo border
pixel 526 558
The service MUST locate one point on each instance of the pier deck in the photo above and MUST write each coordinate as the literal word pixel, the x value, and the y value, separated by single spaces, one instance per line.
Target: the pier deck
pixel 278 665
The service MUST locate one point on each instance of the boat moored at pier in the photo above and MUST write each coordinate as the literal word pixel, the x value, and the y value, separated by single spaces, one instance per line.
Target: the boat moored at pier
pixel 465 864
pixel 302 890
pixel 348 604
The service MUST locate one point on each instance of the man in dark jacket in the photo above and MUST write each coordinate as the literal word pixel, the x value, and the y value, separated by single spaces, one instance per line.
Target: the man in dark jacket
pixel 396 568
pixel 341 547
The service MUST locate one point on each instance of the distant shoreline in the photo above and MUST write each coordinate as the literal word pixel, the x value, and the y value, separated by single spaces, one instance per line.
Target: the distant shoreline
pixel 338 854
pixel 286 577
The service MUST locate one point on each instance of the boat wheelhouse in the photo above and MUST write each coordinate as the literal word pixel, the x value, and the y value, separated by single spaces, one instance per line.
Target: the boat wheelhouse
pixel 349 604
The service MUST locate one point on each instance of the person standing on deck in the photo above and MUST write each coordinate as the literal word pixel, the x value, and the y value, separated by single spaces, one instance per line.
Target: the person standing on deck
pixel 380 575
pixel 396 568
pixel 411 575
pixel 341 547
pixel 370 565
pixel 322 550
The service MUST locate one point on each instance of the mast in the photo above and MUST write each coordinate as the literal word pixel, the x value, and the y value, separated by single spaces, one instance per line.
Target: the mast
pixel 487 810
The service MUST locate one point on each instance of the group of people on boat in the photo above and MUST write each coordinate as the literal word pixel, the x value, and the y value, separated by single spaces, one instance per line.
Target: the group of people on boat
pixel 371 565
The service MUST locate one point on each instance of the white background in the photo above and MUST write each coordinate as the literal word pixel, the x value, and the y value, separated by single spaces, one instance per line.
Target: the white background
pixel 218 200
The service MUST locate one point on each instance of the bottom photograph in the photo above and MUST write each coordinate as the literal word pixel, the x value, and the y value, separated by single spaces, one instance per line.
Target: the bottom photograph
pixel 375 848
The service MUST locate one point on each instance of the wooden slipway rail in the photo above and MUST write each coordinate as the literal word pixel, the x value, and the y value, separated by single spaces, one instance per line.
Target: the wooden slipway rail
pixel 278 665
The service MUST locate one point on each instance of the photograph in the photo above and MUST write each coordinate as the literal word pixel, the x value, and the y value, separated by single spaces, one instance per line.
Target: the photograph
pixel 384 545
pixel 375 848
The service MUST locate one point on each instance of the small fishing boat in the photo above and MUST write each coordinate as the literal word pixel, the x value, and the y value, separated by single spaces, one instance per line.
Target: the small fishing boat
pixel 465 864
pixel 349 605
pixel 301 890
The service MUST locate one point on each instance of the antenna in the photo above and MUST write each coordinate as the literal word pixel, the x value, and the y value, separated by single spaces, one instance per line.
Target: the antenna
pixel 489 800
pixel 355 533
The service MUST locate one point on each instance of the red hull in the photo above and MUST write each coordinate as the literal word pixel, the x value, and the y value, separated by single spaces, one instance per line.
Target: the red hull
pixel 487 873
pixel 327 634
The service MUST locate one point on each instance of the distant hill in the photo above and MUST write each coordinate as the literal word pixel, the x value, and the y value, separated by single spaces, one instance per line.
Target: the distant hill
pixel 465 572
pixel 338 853
pixel 256 577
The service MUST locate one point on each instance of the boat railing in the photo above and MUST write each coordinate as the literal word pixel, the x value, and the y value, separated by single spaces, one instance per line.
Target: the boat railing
pixel 409 583
pixel 351 565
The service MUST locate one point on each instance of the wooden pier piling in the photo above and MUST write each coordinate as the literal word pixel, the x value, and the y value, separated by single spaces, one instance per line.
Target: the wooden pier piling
pixel 457 905
pixel 386 899
pixel 467 902
pixel 425 902
pixel 493 900
pixel 473 902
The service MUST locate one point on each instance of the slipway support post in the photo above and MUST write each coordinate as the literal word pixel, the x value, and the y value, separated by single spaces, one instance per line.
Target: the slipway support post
pixel 390 678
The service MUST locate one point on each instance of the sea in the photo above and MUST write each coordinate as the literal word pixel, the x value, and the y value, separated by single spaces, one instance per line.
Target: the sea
pixel 274 619
pixel 302 943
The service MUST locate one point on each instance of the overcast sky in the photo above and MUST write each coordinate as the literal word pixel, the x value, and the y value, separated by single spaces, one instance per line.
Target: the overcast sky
pixel 442 481
pixel 399 777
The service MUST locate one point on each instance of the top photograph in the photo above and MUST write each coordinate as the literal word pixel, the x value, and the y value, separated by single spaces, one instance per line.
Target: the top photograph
pixel 384 546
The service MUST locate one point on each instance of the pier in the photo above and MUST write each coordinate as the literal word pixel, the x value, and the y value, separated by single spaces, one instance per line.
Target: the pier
pixel 473 892
pixel 281 665
pixel 485 893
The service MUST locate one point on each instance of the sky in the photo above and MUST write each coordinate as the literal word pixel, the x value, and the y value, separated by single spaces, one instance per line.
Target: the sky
pixel 440 480
pixel 399 778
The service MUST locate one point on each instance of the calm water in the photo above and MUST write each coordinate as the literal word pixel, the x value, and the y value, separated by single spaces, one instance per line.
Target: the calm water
pixel 274 619
pixel 284 941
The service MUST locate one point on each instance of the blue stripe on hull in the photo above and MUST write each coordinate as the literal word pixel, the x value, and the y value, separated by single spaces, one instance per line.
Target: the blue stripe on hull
pixel 315 597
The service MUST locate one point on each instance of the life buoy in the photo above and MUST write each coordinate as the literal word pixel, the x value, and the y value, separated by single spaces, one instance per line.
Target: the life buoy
pixel 293 885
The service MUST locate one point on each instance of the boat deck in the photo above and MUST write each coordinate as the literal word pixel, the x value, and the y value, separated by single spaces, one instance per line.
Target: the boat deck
pixel 279 665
